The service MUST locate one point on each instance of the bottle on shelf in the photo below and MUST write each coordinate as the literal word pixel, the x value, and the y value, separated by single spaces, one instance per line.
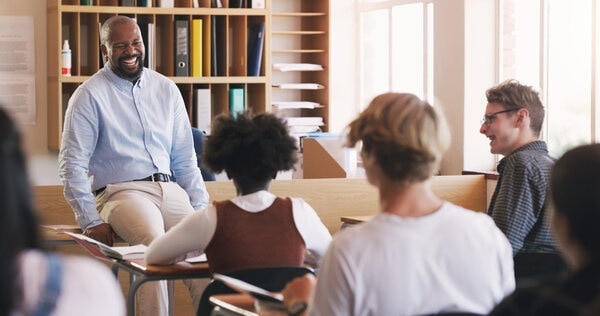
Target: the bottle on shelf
pixel 66 59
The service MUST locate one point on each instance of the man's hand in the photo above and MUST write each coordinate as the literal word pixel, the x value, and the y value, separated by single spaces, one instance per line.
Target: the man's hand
pixel 102 233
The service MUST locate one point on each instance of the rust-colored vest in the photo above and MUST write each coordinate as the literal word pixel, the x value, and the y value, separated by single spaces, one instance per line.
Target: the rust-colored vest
pixel 245 240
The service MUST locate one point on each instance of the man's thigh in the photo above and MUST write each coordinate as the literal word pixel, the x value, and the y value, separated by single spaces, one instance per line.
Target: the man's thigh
pixel 132 210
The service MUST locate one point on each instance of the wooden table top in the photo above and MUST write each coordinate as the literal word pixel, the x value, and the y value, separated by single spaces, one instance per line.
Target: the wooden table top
pixel 178 269
pixel 355 219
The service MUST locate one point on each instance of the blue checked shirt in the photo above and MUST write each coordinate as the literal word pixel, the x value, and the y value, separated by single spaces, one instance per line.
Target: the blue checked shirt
pixel 117 131
pixel 518 203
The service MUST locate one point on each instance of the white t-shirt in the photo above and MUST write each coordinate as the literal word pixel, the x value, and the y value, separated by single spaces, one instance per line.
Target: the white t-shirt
pixel 87 287
pixel 196 230
pixel 451 260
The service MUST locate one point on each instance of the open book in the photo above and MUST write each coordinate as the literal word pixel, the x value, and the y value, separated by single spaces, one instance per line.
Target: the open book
pixel 101 250
pixel 245 287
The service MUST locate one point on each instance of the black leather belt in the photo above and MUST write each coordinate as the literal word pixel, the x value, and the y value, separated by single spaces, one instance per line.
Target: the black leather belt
pixel 157 177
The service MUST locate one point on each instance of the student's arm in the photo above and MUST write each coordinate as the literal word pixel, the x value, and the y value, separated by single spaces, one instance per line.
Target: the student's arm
pixel 315 234
pixel 193 233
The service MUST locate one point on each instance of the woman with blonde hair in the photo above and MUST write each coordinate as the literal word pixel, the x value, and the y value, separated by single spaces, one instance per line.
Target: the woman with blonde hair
pixel 420 255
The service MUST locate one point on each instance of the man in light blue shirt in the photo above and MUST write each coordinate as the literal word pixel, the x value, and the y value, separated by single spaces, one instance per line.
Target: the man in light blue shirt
pixel 127 157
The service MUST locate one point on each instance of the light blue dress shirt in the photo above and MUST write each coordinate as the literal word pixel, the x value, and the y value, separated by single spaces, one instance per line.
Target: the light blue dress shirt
pixel 118 131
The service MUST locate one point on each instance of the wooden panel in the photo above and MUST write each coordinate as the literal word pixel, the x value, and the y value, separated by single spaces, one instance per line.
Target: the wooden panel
pixel 331 198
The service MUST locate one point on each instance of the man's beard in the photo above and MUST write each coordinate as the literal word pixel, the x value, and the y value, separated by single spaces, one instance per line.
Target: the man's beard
pixel 129 75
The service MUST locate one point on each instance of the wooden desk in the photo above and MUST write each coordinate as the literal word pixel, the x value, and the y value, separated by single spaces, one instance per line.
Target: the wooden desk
pixel 53 235
pixel 234 304
pixel 355 219
pixel 140 273
pixel 351 220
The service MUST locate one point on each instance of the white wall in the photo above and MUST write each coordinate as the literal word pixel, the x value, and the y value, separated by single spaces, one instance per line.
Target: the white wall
pixel 464 66
pixel 43 163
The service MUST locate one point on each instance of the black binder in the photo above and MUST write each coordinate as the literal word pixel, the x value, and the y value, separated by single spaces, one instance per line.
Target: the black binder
pixel 182 44
pixel 255 48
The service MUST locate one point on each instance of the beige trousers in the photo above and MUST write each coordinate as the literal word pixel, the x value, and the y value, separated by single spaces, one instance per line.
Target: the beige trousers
pixel 138 212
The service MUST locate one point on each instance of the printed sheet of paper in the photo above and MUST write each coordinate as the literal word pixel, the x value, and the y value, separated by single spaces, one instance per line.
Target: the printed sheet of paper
pixel 17 67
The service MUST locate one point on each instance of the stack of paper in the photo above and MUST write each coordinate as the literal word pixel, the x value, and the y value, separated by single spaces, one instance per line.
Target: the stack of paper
pixel 296 104
pixel 298 126
pixel 306 120
pixel 297 67
pixel 300 86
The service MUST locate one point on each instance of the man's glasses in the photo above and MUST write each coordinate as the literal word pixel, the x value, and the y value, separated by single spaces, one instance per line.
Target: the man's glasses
pixel 489 118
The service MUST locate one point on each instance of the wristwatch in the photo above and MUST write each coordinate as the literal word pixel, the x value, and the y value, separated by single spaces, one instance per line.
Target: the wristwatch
pixel 297 309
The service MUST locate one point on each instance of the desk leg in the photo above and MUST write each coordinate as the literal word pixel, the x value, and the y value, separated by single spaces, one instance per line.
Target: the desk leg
pixel 115 270
pixel 171 293
pixel 134 284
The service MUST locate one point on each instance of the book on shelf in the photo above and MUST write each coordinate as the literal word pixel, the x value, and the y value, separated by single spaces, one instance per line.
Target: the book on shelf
pixel 236 100
pixel 296 104
pixel 181 48
pixel 256 4
pixel 149 38
pixel 196 49
pixel 299 86
pixel 126 3
pixel 203 109
pixel 213 45
pixel 144 3
pixel 256 39
pixel 235 3
pixel 102 59
pixel 165 3
pixel 297 67
pixel 103 251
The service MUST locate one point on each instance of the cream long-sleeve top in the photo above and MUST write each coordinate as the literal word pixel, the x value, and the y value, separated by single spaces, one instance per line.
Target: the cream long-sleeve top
pixel 191 236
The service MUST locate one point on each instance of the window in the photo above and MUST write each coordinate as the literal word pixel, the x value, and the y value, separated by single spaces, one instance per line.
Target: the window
pixel 550 45
pixel 396 48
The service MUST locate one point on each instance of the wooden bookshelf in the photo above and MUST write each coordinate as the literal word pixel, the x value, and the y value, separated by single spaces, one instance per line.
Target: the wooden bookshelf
pixel 300 34
pixel 295 32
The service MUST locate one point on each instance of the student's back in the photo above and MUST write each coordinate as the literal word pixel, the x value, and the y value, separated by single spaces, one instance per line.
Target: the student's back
pixel 87 286
pixel 263 229
pixel 32 278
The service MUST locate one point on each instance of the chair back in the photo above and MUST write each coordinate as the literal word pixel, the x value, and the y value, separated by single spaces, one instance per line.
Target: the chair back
pixel 272 279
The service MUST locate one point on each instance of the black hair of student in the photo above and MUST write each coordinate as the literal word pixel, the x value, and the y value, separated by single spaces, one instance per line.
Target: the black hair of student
pixel 575 192
pixel 20 225
pixel 250 148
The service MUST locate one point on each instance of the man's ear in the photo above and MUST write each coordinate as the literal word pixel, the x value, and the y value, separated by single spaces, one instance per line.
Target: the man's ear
pixel 522 116
pixel 104 51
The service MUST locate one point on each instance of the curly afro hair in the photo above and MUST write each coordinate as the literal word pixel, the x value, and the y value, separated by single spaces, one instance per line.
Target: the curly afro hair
pixel 250 148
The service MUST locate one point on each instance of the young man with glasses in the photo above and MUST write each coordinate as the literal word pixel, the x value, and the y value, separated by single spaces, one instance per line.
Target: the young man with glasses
pixel 513 120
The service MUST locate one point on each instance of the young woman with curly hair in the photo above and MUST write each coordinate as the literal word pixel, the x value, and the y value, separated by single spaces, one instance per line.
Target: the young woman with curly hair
pixel 255 228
